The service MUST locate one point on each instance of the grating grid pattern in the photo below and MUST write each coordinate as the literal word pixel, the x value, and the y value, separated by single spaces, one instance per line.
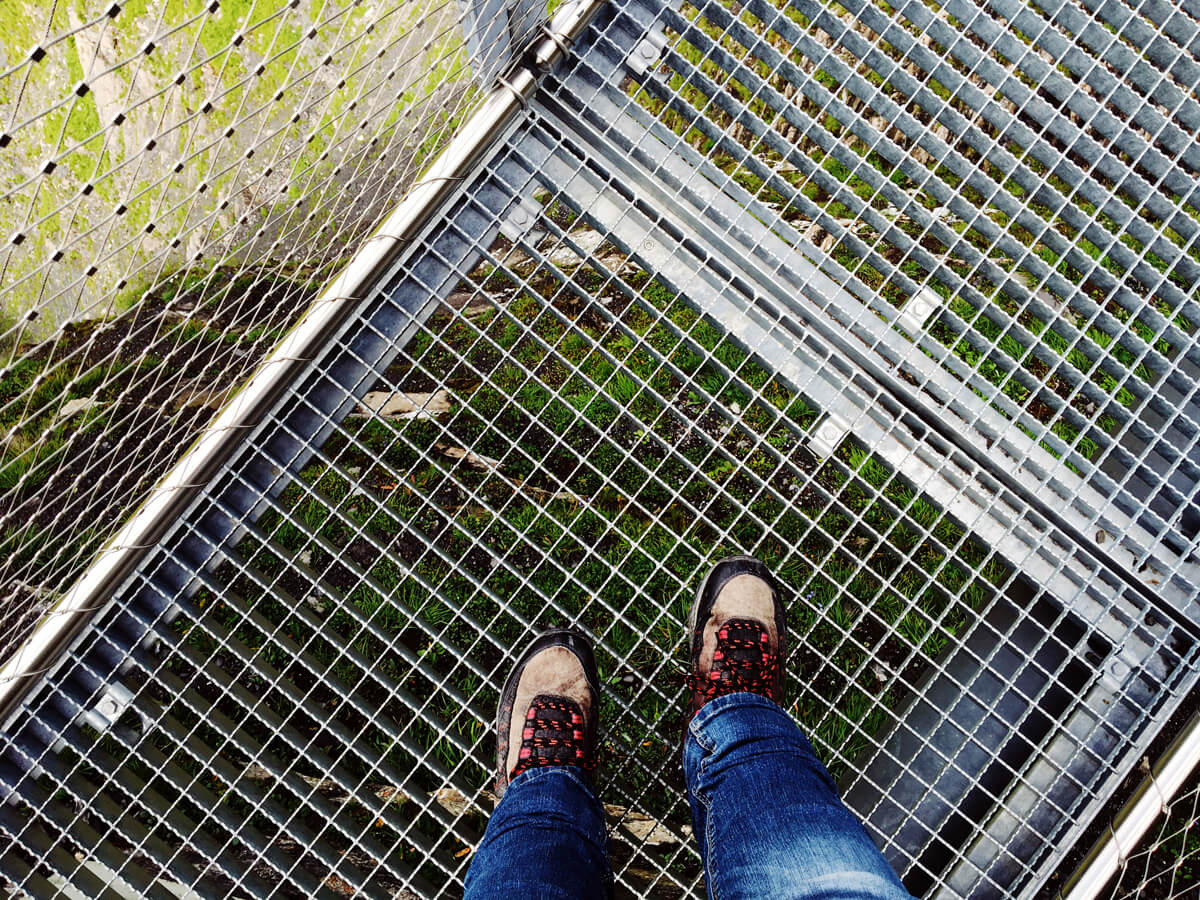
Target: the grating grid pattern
pixel 1006 199
pixel 345 699
pixel 613 363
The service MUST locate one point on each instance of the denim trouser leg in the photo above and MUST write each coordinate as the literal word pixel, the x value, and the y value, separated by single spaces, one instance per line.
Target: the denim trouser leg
pixel 545 841
pixel 767 815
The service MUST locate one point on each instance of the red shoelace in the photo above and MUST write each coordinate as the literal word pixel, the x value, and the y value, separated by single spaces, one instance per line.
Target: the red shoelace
pixel 742 661
pixel 554 735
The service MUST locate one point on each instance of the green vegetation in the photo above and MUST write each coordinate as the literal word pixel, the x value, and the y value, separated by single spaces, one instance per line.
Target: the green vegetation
pixel 221 89
pixel 145 382
pixel 619 444
pixel 1065 371
pixel 604 444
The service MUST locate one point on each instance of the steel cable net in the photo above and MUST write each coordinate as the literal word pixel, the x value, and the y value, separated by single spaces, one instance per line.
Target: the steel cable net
pixel 177 181
pixel 1167 862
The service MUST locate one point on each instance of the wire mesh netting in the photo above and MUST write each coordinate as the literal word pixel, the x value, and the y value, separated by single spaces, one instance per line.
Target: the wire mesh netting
pixel 898 299
pixel 178 180
pixel 1167 863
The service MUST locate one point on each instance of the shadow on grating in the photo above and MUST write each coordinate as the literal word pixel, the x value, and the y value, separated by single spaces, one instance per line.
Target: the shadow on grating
pixel 559 444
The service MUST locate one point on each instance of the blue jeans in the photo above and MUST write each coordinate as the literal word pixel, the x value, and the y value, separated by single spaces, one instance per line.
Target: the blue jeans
pixel 766 815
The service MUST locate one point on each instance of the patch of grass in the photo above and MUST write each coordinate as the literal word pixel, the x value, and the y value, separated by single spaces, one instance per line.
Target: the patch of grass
pixel 410 574
pixel 806 165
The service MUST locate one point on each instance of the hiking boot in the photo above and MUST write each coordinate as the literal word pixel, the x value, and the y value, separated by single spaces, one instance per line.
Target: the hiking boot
pixel 548 708
pixel 739 632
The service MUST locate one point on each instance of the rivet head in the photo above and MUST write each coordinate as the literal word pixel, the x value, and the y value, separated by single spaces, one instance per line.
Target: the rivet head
pixel 831 433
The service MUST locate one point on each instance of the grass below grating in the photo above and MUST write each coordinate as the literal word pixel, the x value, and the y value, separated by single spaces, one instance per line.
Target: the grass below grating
pixel 1080 372
pixel 603 445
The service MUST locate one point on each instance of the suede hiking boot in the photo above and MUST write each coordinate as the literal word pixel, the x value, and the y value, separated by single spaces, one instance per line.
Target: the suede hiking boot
pixel 739 633
pixel 548 708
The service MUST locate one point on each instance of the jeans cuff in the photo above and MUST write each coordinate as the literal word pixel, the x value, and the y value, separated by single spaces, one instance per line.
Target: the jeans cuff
pixel 572 772
pixel 742 700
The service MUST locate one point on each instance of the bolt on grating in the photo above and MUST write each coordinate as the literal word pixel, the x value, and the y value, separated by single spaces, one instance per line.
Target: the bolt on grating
pixel 289 695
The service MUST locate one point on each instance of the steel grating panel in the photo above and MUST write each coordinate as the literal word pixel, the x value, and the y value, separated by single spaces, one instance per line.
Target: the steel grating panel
pixel 1035 238
pixel 622 354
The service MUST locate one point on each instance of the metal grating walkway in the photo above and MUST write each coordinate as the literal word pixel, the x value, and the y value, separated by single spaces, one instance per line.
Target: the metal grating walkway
pixel 900 299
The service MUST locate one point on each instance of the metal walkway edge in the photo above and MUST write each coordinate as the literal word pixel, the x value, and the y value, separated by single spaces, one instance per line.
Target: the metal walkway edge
pixel 283 696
